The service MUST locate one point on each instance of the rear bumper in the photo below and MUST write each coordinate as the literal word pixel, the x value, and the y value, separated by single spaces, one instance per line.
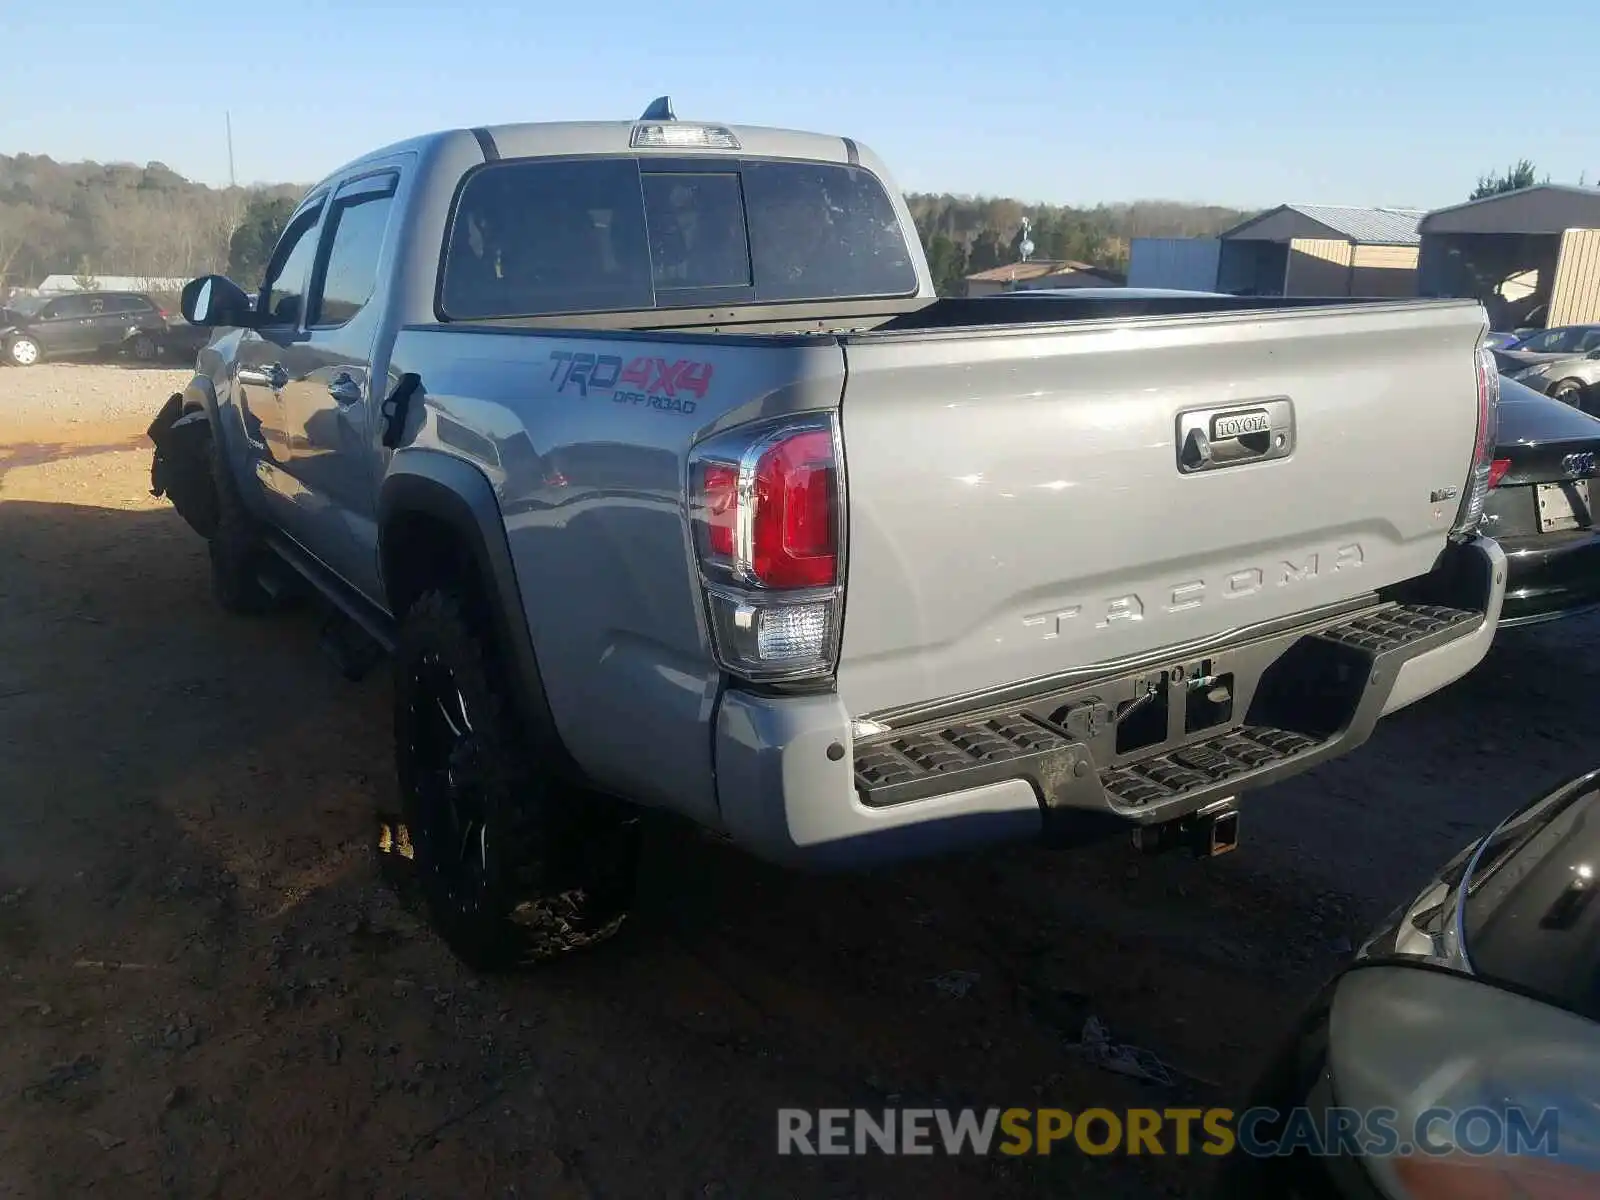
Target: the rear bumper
pixel 1550 575
pixel 794 785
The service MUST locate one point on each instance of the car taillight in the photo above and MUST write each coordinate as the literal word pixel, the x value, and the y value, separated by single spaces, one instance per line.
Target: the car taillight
pixel 719 493
pixel 1478 481
pixel 766 502
pixel 1497 471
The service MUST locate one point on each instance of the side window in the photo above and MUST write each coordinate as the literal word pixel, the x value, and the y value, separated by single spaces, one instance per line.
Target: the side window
pixel 283 292
pixel 1591 341
pixel 353 237
pixel 68 307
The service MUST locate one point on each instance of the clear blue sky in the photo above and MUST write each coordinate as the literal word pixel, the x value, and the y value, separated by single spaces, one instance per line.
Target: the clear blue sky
pixel 1343 102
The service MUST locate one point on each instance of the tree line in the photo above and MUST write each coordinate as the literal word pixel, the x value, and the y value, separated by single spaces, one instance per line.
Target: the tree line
pixel 88 218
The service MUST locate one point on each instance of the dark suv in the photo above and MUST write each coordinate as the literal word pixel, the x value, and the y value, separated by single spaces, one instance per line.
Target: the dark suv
pixel 80 325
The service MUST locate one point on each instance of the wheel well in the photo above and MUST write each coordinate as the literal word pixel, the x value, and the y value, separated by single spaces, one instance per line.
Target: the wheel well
pixel 422 551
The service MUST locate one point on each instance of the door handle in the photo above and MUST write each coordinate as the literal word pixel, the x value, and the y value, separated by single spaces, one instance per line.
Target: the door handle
pixel 272 376
pixel 345 389
pixel 1212 438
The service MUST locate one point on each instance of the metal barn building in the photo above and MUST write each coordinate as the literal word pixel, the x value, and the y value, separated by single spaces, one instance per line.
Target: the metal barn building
pixel 1291 250
pixel 1532 256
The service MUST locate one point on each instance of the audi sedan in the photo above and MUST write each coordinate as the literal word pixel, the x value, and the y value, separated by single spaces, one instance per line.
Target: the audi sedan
pixel 1457 1057
pixel 1545 462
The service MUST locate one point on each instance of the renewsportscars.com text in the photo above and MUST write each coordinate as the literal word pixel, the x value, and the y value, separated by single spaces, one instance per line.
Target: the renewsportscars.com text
pixel 1259 1132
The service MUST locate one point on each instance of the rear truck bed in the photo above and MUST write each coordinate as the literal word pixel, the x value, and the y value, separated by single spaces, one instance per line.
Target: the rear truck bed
pixel 1058 604
pixel 936 585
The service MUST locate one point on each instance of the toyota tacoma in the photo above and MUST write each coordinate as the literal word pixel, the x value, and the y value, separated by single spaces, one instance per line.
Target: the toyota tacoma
pixel 648 450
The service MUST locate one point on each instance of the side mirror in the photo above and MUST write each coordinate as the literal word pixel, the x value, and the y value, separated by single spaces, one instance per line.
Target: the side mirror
pixel 215 301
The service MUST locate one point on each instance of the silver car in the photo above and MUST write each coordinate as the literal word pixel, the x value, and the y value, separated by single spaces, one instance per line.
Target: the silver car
pixel 1562 363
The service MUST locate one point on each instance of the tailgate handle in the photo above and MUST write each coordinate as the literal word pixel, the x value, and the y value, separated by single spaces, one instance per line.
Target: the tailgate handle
pixel 1209 439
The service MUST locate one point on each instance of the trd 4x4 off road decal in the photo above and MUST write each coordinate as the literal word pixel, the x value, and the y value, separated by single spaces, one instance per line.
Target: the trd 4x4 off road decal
pixel 647 381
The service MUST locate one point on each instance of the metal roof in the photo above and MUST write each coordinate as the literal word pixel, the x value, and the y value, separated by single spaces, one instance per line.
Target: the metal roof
pixel 1365 226
pixel 1544 208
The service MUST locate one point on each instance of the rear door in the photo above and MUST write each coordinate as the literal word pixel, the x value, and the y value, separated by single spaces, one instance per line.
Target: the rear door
pixel 329 395
pixel 1029 501
pixel 113 319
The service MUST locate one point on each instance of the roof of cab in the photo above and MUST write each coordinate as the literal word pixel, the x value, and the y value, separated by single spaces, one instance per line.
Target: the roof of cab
pixel 614 137
pixel 533 139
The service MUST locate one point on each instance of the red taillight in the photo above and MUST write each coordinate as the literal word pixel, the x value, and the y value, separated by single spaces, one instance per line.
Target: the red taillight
pixel 1476 493
pixel 719 496
pixel 162 313
pixel 792 528
pixel 766 504
pixel 1497 471
pixel 782 531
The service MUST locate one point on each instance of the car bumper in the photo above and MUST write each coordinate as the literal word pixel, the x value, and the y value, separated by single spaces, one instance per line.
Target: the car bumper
pixel 1551 575
pixel 795 785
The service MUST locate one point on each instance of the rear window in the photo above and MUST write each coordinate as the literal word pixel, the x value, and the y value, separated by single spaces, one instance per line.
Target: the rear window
pixel 540 237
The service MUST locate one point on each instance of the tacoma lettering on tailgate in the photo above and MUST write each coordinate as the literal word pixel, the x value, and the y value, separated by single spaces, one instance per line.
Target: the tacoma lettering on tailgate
pixel 1246 581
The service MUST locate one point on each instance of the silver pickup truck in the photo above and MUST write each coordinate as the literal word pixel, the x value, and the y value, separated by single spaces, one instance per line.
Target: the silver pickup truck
pixel 649 451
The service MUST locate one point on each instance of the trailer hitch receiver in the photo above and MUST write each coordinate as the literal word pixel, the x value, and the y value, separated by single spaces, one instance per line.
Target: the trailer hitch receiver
pixel 1207 832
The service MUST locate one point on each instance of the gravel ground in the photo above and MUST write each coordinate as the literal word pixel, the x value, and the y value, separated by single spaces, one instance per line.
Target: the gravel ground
pixel 53 401
pixel 204 991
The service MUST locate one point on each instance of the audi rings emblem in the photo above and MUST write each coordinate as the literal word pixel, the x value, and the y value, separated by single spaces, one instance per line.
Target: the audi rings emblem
pixel 1577 465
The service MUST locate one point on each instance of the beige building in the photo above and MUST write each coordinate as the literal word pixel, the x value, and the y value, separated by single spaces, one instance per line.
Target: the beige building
pixel 1322 250
pixel 1039 273
pixel 1532 256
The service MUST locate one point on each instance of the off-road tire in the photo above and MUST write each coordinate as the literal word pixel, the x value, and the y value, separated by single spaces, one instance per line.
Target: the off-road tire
pixel 556 867
pixel 237 554
pixel 31 354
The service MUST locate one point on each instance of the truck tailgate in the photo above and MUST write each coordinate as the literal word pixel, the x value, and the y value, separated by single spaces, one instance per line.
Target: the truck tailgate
pixel 1019 503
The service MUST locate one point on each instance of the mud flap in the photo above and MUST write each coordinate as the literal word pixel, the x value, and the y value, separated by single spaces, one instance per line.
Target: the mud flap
pixel 181 466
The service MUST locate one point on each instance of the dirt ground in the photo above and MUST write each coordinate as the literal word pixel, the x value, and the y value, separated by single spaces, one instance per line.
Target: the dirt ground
pixel 205 991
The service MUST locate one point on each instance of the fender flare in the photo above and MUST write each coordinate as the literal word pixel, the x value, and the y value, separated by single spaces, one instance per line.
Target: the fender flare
pixel 457 494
